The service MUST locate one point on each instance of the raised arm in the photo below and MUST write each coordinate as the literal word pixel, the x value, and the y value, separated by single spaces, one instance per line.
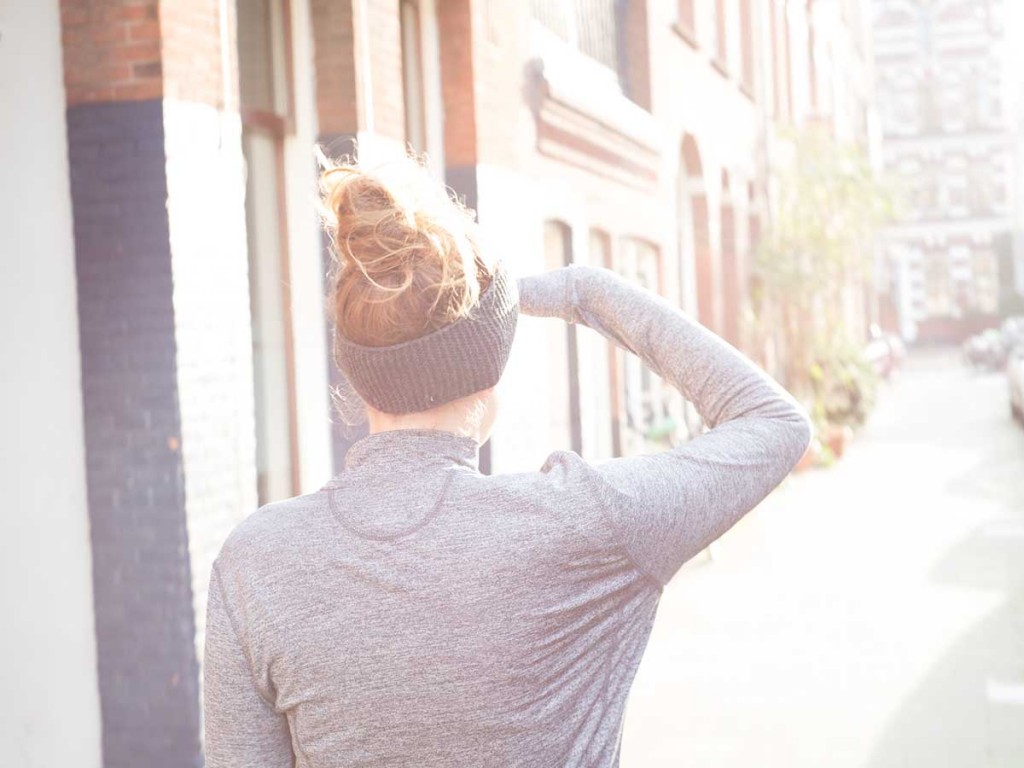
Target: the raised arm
pixel 668 506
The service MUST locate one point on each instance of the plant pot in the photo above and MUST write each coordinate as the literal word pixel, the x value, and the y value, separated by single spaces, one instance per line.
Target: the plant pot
pixel 836 438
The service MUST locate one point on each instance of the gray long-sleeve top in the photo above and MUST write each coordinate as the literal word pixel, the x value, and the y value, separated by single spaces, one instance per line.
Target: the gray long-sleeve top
pixel 415 612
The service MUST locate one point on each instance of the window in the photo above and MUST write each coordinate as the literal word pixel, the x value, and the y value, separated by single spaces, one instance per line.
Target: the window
pixel 412 76
pixel 747 47
pixel 590 26
pixel 938 290
pixel 779 34
pixel 951 196
pixel 928 106
pixel 266 107
pixel 1000 197
pixel 603 376
pixel 562 359
pixel 905 121
pixel 986 281
pixel 957 110
pixel 421 81
pixel 813 63
pixel 687 19
pixel 648 420
pixel 787 62
pixel 978 181
pixel 720 53
pixel 929 192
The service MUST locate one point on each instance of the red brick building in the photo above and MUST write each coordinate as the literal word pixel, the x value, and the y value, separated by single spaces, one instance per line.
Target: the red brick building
pixel 947 138
pixel 181 230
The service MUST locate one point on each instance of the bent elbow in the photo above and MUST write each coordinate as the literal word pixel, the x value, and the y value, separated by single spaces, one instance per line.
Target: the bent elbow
pixel 799 434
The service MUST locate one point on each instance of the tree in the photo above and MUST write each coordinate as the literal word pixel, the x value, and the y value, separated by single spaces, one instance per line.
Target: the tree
pixel 820 242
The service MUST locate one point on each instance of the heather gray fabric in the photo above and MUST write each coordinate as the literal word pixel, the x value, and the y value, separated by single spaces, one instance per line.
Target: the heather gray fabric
pixel 459 359
pixel 413 612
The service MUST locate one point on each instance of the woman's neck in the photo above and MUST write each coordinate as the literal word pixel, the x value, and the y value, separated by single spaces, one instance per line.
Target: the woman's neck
pixel 470 416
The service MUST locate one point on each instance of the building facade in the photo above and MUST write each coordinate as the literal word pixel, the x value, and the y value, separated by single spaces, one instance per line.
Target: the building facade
pixel 940 92
pixel 1013 66
pixel 182 248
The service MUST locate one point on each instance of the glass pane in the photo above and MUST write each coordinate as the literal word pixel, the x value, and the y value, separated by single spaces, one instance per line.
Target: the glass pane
pixel 553 15
pixel 647 408
pixel 558 395
pixel 266 292
pixel 597 31
pixel 601 361
pixel 262 69
pixel 412 76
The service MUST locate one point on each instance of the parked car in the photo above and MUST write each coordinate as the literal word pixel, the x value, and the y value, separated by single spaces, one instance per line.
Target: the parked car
pixel 897 351
pixel 1015 375
pixel 1012 332
pixel 885 352
pixel 985 350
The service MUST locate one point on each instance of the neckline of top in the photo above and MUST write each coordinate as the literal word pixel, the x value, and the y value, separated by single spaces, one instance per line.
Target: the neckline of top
pixel 429 447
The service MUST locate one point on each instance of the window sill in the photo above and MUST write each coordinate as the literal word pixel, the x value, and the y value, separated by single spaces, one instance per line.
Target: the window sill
pixel 689 35
pixel 269 122
pixel 590 89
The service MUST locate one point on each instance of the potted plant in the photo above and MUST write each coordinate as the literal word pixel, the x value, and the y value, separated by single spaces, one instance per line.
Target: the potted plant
pixel 816 256
pixel 845 387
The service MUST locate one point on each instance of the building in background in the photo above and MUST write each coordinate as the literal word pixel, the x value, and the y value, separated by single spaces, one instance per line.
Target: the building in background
pixel 188 369
pixel 946 137
pixel 1014 73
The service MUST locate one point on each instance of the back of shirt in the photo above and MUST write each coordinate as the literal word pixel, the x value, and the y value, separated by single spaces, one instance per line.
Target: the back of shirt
pixel 461 619
pixel 416 612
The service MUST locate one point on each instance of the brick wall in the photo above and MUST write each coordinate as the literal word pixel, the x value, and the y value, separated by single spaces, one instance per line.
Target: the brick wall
pixel 145 49
pixel 455 27
pixel 192 44
pixel 158 199
pixel 498 52
pixel 148 674
pixel 337 86
pixel 111 50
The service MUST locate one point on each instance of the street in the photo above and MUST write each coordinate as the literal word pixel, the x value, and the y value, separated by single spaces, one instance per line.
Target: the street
pixel 869 615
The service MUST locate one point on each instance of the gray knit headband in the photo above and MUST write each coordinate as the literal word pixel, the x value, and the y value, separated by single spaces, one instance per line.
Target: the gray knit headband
pixel 459 359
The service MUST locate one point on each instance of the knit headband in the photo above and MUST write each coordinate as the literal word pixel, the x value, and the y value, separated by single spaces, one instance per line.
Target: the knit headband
pixel 459 359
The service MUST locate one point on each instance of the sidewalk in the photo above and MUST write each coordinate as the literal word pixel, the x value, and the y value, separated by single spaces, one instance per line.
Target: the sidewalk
pixel 870 615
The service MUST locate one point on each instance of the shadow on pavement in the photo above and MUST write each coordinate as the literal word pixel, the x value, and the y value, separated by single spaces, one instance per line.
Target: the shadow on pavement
pixel 968 712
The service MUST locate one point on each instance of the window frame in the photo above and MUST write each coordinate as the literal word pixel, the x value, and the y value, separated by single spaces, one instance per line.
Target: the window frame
pixel 279 127
pixel 686 21
pixel 654 394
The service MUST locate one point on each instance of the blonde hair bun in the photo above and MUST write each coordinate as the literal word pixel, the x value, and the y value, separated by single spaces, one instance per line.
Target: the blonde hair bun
pixel 407 259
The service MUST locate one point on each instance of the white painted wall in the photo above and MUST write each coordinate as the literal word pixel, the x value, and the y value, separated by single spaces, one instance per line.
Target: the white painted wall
pixel 306 266
pixel 520 442
pixel 49 711
pixel 206 218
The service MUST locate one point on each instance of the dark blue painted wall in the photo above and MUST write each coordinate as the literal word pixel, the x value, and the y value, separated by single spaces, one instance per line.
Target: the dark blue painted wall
pixel 145 627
